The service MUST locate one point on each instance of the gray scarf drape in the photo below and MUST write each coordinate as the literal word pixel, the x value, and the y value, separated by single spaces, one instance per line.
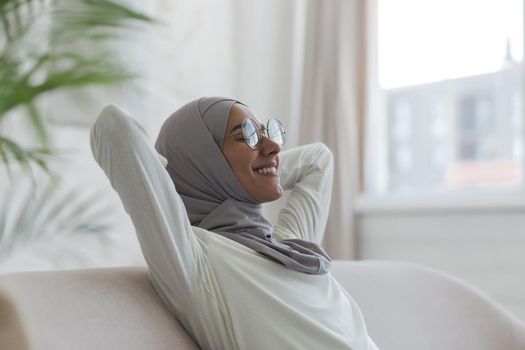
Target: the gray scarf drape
pixel 213 197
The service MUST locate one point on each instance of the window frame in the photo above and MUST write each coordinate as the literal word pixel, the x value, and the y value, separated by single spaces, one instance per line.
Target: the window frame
pixel 374 198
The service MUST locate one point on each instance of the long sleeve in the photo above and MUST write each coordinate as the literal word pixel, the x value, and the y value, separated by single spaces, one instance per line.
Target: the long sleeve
pixel 306 171
pixel 166 238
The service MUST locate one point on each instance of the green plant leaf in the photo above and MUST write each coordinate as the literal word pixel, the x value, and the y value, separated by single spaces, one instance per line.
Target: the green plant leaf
pixel 29 71
pixel 51 211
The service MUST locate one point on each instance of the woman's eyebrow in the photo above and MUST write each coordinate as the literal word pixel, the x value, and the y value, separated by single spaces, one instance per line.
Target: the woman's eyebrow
pixel 238 126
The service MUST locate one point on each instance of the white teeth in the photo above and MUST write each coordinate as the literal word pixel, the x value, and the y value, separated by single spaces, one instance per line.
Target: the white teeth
pixel 272 170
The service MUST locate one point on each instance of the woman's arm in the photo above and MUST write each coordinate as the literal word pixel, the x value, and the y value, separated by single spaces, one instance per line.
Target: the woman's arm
pixel 307 171
pixel 163 229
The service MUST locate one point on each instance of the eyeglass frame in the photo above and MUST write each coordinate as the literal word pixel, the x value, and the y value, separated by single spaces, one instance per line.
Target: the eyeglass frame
pixel 258 129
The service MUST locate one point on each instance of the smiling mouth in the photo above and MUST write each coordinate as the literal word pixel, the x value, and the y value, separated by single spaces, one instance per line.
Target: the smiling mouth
pixel 271 171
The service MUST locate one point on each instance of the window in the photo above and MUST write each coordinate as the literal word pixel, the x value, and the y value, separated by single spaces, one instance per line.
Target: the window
pixel 450 78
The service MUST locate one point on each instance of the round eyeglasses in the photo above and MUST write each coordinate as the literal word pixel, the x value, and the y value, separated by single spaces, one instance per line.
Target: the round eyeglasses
pixel 273 130
pixel 252 133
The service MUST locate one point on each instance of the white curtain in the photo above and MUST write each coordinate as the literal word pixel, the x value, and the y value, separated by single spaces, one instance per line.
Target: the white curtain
pixel 329 108
pixel 301 61
pixel 311 74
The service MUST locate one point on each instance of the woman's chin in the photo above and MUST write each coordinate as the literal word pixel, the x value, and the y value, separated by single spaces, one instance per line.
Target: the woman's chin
pixel 270 196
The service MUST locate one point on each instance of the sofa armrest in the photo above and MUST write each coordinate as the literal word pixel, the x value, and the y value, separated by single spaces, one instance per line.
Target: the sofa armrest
pixel 12 333
pixel 407 306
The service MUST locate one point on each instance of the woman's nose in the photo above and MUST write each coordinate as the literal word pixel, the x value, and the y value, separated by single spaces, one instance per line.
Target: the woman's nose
pixel 269 146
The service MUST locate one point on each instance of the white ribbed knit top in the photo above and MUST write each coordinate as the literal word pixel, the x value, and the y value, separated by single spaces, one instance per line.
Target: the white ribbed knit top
pixel 224 294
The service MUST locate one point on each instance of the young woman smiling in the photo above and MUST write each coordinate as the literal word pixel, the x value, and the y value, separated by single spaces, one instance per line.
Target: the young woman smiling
pixel 233 280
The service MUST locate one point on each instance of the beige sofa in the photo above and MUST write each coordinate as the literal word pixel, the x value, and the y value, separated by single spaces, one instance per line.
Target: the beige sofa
pixel 406 307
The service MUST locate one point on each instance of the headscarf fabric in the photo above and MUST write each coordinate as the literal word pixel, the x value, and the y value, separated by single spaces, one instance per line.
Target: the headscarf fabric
pixel 191 140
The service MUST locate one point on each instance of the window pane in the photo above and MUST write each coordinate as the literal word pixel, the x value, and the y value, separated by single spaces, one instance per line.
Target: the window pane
pixel 450 73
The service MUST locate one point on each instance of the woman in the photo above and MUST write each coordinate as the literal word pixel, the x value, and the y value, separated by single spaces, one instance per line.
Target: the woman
pixel 232 280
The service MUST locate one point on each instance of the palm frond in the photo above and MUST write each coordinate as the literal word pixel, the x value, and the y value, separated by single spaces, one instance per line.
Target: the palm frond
pixel 36 60
pixel 50 212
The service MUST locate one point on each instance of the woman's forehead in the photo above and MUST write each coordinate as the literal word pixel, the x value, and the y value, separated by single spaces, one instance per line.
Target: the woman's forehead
pixel 239 112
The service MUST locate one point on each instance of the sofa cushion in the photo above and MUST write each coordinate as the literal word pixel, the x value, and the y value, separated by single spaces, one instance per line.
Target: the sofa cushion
pixel 109 308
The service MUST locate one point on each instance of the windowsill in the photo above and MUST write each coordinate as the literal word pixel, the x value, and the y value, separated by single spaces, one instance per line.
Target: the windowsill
pixel 481 200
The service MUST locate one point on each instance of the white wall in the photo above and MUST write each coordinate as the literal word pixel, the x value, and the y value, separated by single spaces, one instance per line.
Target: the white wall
pixel 483 246
pixel 223 48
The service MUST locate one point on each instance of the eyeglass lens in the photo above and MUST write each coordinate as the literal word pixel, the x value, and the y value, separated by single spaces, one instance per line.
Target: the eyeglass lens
pixel 251 132
pixel 275 131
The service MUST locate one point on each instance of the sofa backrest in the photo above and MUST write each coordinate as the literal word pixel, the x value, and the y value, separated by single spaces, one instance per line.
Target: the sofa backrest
pixel 406 307
pixel 109 308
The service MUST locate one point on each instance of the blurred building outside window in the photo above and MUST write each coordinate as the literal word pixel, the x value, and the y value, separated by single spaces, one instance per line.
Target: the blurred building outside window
pixel 450 78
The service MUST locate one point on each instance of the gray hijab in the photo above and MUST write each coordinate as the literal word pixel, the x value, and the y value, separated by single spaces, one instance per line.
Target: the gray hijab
pixel 191 140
